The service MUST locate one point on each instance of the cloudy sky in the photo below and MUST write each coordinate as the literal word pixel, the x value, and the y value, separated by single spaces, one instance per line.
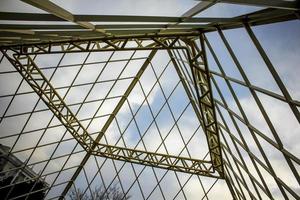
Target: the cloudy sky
pixel 275 38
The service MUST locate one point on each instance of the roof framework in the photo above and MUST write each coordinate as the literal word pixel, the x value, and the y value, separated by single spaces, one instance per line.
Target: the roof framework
pixel 232 149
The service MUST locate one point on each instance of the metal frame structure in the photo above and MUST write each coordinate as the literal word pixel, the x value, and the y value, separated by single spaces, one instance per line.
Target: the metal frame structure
pixel 184 39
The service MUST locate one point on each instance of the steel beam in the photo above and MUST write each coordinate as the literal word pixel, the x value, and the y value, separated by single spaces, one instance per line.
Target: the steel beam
pixel 170 25
pixel 189 14
pixel 273 71
pixel 56 10
pixel 281 4
pixel 203 5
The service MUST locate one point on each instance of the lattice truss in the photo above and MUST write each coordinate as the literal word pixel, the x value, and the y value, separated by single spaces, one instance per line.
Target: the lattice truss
pixel 192 108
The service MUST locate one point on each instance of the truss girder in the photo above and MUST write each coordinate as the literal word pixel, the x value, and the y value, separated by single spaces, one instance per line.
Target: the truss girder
pixel 39 83
pixel 206 103
pixel 204 99
pixel 104 44
pixel 174 163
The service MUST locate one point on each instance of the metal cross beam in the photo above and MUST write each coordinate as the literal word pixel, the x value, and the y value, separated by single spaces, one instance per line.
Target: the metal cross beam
pixel 289 5
pixel 56 10
pixel 16 33
pixel 198 8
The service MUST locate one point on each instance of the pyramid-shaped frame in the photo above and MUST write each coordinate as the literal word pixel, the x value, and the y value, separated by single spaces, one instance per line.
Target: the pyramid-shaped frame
pixel 196 85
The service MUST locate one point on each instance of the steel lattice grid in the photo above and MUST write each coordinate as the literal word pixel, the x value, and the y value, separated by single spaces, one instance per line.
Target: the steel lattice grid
pixel 255 110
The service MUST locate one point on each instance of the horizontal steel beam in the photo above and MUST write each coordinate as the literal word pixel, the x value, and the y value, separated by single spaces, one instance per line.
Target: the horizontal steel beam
pixel 12 16
pixel 14 33
pixel 281 4
pixel 106 18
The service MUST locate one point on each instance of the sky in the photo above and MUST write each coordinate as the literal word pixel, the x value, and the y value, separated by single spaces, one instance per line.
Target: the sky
pixel 274 38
